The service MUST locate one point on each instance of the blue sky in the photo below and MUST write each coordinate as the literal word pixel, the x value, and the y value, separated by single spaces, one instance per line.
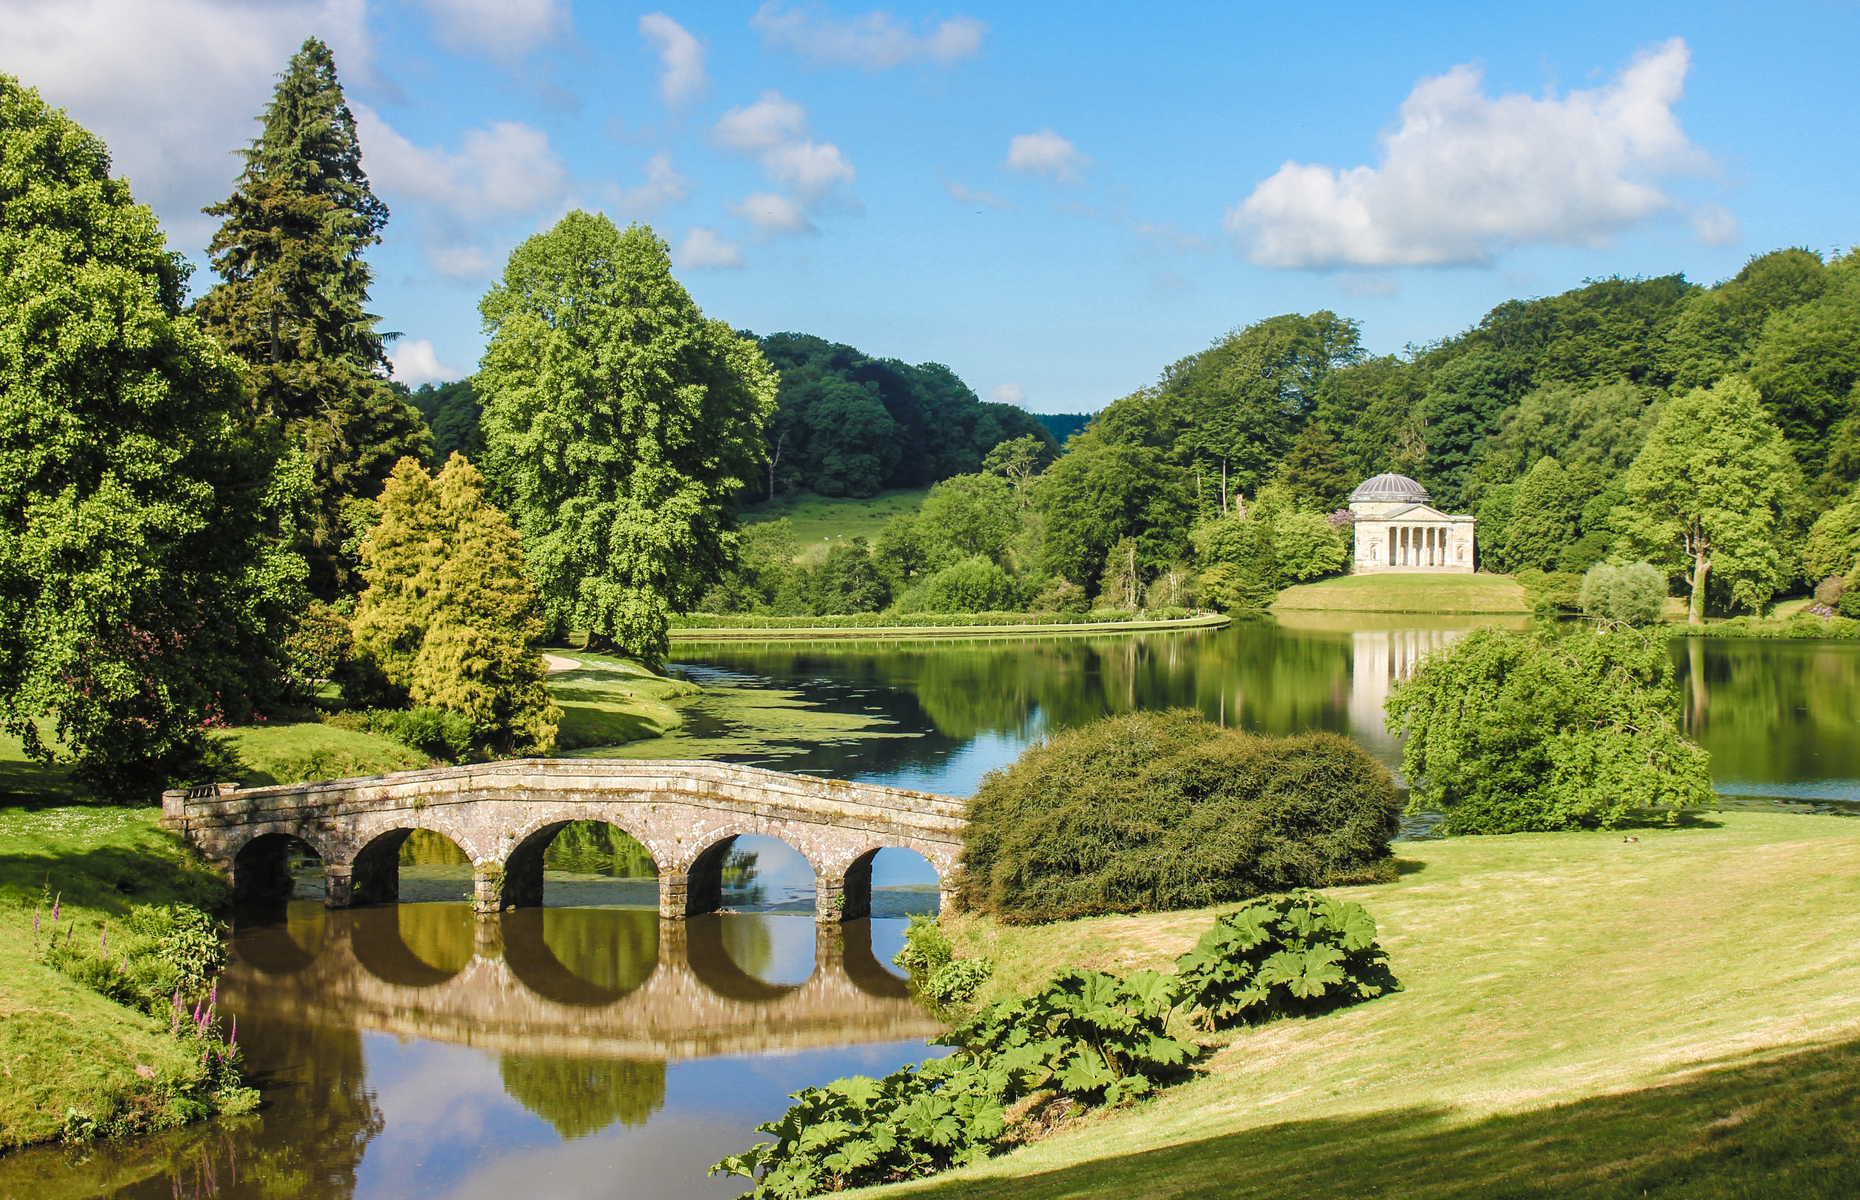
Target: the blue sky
pixel 1055 200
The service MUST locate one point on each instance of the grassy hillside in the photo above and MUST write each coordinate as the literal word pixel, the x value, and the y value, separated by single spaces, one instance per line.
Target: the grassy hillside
pixel 607 701
pixel 1582 1015
pixel 62 1046
pixel 1407 593
pixel 819 518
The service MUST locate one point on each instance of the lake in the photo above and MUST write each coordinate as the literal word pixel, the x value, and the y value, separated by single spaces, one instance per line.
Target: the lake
pixel 587 1049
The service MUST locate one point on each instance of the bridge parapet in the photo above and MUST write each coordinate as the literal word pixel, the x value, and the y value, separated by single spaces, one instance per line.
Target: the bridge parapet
pixel 504 814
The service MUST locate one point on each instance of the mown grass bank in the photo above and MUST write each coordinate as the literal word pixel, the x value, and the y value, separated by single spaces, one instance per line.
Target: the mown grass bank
pixel 828 519
pixel 1582 1016
pixel 63 1047
pixel 1397 593
pixel 609 701
pixel 922 625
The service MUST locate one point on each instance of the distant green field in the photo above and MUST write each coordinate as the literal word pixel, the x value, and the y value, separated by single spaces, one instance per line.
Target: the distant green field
pixel 1407 593
pixel 818 518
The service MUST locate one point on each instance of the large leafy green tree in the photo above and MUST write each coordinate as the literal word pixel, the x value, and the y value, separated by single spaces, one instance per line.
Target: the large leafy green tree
pixel 1100 493
pixel 1714 490
pixel 1544 518
pixel 292 297
pixel 142 592
pixel 620 425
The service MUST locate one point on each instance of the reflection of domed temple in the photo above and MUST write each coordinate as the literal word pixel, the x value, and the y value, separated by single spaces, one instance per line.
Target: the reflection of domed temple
pixel 1399 529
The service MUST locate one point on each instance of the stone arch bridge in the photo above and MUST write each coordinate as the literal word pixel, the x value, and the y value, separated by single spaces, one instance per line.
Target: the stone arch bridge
pixel 503 815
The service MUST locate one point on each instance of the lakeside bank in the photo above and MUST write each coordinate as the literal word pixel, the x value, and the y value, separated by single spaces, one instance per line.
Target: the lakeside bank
pixel 1553 1035
pixel 867 626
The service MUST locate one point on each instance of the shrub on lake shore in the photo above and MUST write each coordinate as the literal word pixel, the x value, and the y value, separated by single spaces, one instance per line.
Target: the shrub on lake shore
pixel 1515 732
pixel 1153 811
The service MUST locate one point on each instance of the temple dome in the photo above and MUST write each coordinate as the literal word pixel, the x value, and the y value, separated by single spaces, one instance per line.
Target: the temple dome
pixel 1390 489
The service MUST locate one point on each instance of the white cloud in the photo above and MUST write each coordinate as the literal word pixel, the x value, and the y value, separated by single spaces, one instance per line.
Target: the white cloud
pixel 1465 174
pixel 504 171
pixel 682 78
pixel 769 122
pixel 416 362
pixel 1716 225
pixel 114 64
pixel 810 168
pixel 873 42
pixel 504 27
pixel 772 213
pixel 705 249
pixel 663 186
pixel 962 193
pixel 1008 393
pixel 1046 153
pixel 774 131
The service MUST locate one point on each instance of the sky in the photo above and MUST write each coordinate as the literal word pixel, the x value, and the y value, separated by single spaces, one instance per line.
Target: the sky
pixel 1057 201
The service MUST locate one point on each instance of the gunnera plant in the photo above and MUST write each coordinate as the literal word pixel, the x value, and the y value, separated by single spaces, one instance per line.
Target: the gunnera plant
pixel 1157 811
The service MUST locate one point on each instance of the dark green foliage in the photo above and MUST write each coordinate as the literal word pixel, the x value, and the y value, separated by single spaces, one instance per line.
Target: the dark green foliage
pixel 292 300
pixel 1239 568
pixel 452 411
pixel 438 733
pixel 1298 955
pixel 849 425
pixel 1544 518
pixel 1807 367
pixel 848 581
pixel 1155 811
pixel 939 976
pixel 921 1119
pixel 1089 1035
pixel 973 585
pixel 143 962
pixel 143 590
pixel 1717 329
pixel 1511 732
pixel 1606 330
pixel 1101 492
pixel 1461 409
pixel 1063 425
pixel 1314 473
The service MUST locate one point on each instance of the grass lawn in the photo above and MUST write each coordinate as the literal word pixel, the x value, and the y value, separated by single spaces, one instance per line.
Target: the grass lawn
pixel 62 1046
pixel 1407 593
pixel 821 519
pixel 1582 1016
pixel 610 701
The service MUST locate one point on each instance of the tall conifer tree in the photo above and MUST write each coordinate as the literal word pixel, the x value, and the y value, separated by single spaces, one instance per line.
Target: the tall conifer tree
pixel 292 300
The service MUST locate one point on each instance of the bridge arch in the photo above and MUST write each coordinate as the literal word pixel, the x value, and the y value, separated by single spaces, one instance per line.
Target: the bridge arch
pixel 523 864
pixel 261 862
pixel 853 881
pixel 709 854
pixel 372 874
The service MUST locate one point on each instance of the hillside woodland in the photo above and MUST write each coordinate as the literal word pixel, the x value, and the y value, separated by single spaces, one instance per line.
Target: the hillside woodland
pixel 1227 479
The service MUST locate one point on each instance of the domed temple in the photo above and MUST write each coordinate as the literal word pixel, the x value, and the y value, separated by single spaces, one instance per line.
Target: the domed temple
pixel 1399 529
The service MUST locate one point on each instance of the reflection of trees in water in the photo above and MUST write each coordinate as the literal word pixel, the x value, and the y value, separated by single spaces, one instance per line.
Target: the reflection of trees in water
pixel 440 935
pixel 1251 673
pixel 615 949
pixel 424 848
pixel 748 942
pixel 584 1096
pixel 1772 710
pixel 596 848
pixel 308 1139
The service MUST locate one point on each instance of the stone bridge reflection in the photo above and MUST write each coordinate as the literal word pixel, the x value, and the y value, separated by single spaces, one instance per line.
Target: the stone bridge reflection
pixel 584 983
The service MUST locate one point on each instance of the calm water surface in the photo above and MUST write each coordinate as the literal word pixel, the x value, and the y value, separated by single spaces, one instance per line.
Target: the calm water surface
pixel 588 1050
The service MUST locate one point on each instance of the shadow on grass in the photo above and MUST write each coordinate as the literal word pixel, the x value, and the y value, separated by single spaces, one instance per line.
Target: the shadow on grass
pixel 1786 1125
pixel 111 879
pixel 1409 866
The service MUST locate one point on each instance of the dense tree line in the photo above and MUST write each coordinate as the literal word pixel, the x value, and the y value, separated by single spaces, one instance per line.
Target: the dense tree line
pixel 1534 420
pixel 850 425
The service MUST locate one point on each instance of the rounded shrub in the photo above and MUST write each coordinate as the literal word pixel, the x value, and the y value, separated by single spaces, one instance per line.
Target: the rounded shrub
pixel 973 585
pixel 1155 811
pixel 1635 594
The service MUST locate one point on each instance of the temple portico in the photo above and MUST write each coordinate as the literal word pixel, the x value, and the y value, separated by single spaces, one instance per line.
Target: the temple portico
pixel 1399 529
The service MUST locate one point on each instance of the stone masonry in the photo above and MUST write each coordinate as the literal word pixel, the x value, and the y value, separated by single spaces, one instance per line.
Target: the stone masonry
pixel 504 814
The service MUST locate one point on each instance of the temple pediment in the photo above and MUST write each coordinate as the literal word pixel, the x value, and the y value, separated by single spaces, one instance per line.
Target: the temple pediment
pixel 1415 512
